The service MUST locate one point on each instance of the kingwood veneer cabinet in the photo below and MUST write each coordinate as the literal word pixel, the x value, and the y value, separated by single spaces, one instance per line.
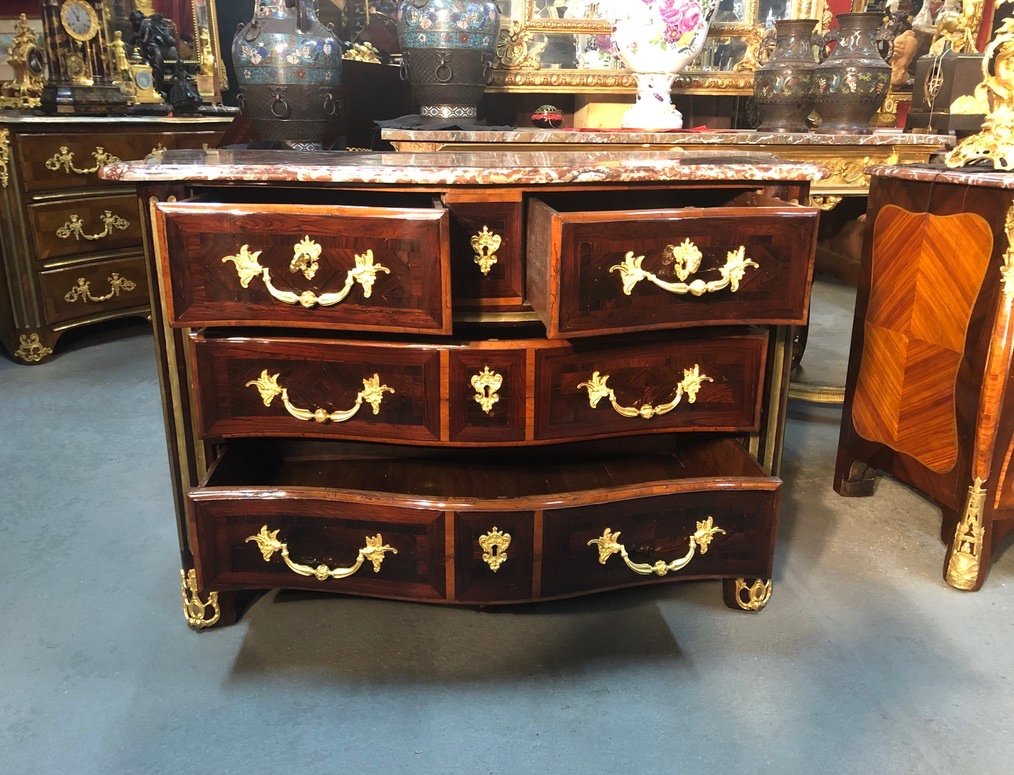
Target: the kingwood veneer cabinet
pixel 927 396
pixel 70 245
pixel 474 378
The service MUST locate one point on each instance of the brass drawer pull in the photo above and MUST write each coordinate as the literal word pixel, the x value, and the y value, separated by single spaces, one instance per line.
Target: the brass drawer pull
pixel 364 273
pixel 689 386
pixel 83 292
pixel 702 537
pixel 686 258
pixel 75 227
pixel 486 244
pixel 487 385
pixel 494 545
pixel 372 394
pixel 268 543
pixel 65 158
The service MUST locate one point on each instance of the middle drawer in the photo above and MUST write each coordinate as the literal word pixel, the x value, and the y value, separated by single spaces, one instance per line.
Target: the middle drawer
pixel 481 393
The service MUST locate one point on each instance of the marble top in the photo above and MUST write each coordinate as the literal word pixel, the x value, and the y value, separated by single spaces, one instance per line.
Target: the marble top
pixel 36 119
pixel 463 168
pixel 931 173
pixel 731 137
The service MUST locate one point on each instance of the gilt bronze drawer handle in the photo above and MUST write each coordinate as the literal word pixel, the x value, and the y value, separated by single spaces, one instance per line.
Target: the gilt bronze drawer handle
pixel 487 385
pixel 83 292
pixel 702 537
pixel 364 273
pixel 486 244
pixel 65 158
pixel 494 545
pixel 689 386
pixel 686 260
pixel 267 541
pixel 75 227
pixel 372 394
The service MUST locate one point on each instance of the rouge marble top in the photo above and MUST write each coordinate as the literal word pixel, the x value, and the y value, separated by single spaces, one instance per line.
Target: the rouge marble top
pixel 462 168
pixel 732 137
pixel 929 173
pixel 34 119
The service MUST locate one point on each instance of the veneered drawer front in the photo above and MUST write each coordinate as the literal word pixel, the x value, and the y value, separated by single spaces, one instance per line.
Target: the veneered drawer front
pixel 89 225
pixel 604 272
pixel 317 388
pixel 240 535
pixel 494 555
pixel 72 160
pixel 316 266
pixel 488 398
pixel 701 383
pixel 487 255
pixel 87 290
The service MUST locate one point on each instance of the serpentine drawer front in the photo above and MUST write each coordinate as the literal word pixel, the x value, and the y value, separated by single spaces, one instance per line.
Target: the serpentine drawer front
pixel 311 266
pixel 305 516
pixel 91 224
pixel 94 288
pixel 607 271
pixel 477 392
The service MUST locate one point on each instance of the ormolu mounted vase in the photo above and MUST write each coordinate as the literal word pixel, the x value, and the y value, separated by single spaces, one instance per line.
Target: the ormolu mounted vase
pixel 850 85
pixel 783 86
pixel 289 68
pixel 448 48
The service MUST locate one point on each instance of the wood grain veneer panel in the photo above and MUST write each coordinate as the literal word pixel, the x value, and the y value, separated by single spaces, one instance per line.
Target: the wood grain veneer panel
pixel 926 274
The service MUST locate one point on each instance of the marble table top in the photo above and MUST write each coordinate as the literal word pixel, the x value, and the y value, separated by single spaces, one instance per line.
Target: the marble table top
pixel 731 137
pixel 931 173
pixel 463 168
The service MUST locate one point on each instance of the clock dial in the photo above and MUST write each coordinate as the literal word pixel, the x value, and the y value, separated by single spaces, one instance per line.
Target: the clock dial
pixel 79 19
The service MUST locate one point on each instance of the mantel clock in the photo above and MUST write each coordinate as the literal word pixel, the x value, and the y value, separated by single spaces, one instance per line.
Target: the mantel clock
pixel 80 74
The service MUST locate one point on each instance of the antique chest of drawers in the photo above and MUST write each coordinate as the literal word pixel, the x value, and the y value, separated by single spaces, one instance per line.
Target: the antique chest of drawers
pixel 70 244
pixel 474 378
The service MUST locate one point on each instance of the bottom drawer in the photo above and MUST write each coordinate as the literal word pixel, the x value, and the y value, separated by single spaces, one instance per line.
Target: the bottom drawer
pixel 89 290
pixel 440 527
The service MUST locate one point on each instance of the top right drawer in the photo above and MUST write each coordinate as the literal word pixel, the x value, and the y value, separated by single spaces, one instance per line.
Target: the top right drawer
pixel 611 271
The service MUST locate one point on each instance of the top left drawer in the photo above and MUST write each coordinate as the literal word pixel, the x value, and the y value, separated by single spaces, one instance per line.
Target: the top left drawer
pixel 352 267
pixel 62 161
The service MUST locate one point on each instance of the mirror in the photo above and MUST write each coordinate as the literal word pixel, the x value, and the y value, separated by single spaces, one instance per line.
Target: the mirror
pixel 195 28
pixel 564 45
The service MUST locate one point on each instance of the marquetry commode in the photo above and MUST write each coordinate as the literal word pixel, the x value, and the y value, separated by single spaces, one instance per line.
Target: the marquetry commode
pixel 474 378
pixel 70 245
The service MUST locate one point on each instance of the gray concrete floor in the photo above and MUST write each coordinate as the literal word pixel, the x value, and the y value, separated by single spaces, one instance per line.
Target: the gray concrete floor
pixel 863 662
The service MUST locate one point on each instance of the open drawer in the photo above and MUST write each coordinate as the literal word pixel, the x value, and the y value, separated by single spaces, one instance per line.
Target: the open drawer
pixel 379 522
pixel 601 271
pixel 360 268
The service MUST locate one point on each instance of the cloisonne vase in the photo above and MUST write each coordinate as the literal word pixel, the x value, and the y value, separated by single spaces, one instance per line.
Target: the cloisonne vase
pixel 289 68
pixel 783 86
pixel 850 85
pixel 448 48
pixel 655 40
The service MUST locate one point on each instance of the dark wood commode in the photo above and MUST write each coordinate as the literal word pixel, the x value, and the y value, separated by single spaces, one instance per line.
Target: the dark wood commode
pixel 70 245
pixel 474 378
pixel 928 396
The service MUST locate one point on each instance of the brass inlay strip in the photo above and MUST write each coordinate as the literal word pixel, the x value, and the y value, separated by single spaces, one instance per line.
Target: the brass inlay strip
pixel 75 227
pixel 364 272
pixel 486 244
pixel 5 157
pixel 686 259
pixel 372 394
pixel 487 385
pixel 374 551
pixel 64 158
pixel 757 594
pixel 195 610
pixel 689 386
pixel 82 291
pixel 608 545
pixel 494 545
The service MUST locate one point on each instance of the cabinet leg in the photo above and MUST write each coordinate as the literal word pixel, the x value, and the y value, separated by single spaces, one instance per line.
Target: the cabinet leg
pixel 746 594
pixel 859 481
pixel 35 346
pixel 968 554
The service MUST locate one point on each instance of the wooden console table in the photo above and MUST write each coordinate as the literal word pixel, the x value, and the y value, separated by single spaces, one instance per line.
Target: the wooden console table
pixel 928 398
pixel 70 245
pixel 350 409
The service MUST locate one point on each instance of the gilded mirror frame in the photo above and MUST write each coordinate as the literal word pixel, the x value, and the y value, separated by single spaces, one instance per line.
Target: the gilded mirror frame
pixel 203 16
pixel 518 68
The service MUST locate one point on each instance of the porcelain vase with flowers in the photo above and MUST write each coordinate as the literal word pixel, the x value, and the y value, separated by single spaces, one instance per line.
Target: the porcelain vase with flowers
pixel 655 40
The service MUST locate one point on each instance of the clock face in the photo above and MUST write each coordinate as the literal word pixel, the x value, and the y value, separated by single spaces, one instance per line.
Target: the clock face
pixel 143 79
pixel 79 19
pixel 35 61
